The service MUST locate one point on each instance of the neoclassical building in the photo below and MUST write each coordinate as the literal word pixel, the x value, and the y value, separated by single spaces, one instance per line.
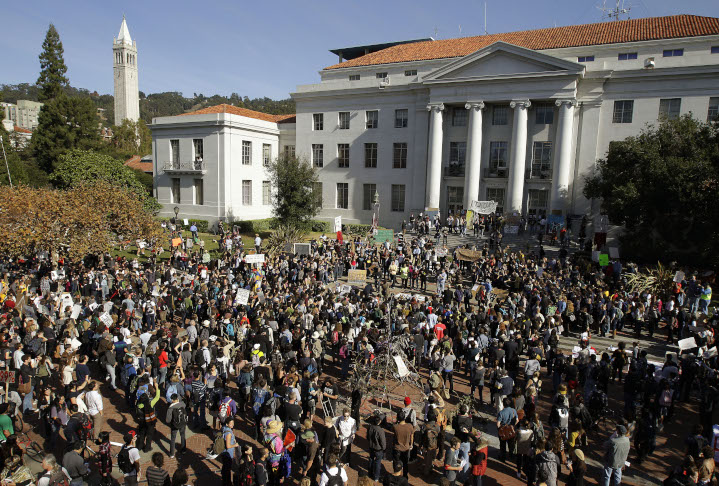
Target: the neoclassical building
pixel 519 118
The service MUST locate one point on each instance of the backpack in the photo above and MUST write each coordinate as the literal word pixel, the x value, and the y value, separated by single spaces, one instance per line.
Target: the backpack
pixel 179 418
pixel 259 399
pixel 431 438
pixel 224 410
pixel 200 358
pixel 133 384
pixel 247 474
pixel 335 480
pixel 59 479
pixel 218 445
pixel 124 376
pixel 123 460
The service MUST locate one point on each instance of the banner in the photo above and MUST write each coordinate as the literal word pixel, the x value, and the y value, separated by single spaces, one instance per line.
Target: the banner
pixel 357 277
pixel 338 224
pixel 483 207
pixel 255 258
pixel 468 255
pixel 384 235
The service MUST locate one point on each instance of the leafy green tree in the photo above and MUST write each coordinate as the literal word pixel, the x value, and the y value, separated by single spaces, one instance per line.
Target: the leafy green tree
pixel 662 186
pixel 133 137
pixel 87 166
pixel 52 78
pixel 64 124
pixel 293 181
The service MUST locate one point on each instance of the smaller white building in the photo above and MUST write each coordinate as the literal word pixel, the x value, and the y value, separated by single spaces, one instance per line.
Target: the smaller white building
pixel 211 163
pixel 24 114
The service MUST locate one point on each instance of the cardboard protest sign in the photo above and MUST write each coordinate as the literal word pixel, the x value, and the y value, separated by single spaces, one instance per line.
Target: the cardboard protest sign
pixel 242 297
pixel 256 258
pixel 338 224
pixel 176 241
pixel 106 319
pixel 76 309
pixel 679 276
pixel 357 277
pixel 688 343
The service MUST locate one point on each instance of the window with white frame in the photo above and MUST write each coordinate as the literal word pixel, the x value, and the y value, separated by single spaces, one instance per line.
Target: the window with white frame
pixel 541 160
pixel 266 154
pixel 626 56
pixel 585 58
pixel 399 155
pixel 246 152
pixel 318 121
pixel 459 117
pixel 266 194
pixel 457 158
pixel 381 75
pixel 318 155
pixel 537 202
pixel 673 53
pixel 175 191
pixel 498 158
pixel 344 120
pixel 370 155
pixel 289 151
pixel 368 191
pixel 175 153
pixel 198 148
pixel 713 113
pixel 400 118
pixel 544 114
pixel 623 111
pixel 354 77
pixel 398 197
pixel 372 119
pixel 500 114
pixel 669 108
pixel 247 193
pixel 343 194
pixel 410 72
pixel 343 155
pixel 496 194
pixel 198 196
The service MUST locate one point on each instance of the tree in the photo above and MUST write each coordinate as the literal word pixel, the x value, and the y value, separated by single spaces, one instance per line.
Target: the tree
pixel 133 137
pixel 52 78
pixel 64 124
pixel 88 219
pixel 662 186
pixel 78 167
pixel 293 199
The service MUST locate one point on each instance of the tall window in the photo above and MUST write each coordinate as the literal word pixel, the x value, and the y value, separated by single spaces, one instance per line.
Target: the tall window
pixel 289 151
pixel 455 199
pixel 500 114
pixel 713 113
pixel 400 118
pixel 246 152
pixel 372 118
pixel 627 56
pixel 318 121
pixel 544 114
pixel 343 155
pixel 459 117
pixel 266 195
pixel 537 200
pixel 541 160
pixel 669 108
pixel 623 110
pixel 496 194
pixel 318 157
pixel 370 155
pixel 247 193
pixel 457 157
pixel 498 158
pixel 398 197
pixel 342 195
pixel 368 191
pixel 197 145
pixel 344 120
pixel 399 156
pixel 198 196
pixel 673 53
pixel 175 191
pixel 175 153
pixel 317 193
pixel 381 75
pixel 266 154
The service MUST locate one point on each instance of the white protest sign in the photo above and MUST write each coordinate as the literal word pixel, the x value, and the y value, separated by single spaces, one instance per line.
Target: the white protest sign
pixel 106 319
pixel 76 309
pixel 203 273
pixel 338 224
pixel 687 343
pixel 257 258
pixel 710 353
pixel 93 306
pixel 345 289
pixel 53 275
pixel 107 306
pixel 66 300
pixel 483 207
pixel 187 223
pixel 441 252
pixel 243 295
pixel 679 276
pixel 402 370
pixel 420 298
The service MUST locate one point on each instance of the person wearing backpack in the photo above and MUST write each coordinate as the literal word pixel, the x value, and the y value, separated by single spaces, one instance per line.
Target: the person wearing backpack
pixel 377 440
pixel 431 438
pixel 177 420
pixel 75 465
pixel 128 460
pixel 227 408
pixel 230 452
pixel 246 469
pixel 147 419
pixel 333 474
pixel 53 473
pixel 199 400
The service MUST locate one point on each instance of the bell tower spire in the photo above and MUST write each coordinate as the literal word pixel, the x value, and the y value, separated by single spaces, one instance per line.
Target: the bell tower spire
pixel 127 92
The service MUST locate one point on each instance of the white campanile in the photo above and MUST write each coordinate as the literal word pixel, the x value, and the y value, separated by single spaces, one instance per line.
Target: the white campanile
pixel 127 91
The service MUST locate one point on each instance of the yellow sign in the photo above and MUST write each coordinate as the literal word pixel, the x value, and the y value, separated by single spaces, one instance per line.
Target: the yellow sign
pixel 176 241
pixel 357 277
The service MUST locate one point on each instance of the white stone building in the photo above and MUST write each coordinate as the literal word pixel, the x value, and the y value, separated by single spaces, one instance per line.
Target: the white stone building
pixel 24 113
pixel 519 118
pixel 127 91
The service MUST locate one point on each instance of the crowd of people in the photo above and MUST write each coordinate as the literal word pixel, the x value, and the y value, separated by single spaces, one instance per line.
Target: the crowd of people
pixel 217 345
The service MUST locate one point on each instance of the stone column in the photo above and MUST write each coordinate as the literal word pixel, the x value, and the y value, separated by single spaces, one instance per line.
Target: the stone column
pixel 518 155
pixel 434 155
pixel 563 156
pixel 474 153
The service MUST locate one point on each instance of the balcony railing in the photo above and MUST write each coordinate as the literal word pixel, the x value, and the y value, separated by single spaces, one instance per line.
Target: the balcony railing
pixel 538 173
pixel 187 167
pixel 496 172
pixel 454 169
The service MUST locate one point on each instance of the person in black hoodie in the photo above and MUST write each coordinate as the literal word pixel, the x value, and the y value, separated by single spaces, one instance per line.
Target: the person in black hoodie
pixel 377 446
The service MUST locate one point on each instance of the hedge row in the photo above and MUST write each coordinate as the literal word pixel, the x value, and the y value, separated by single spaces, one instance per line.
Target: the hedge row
pixel 263 225
pixel 202 225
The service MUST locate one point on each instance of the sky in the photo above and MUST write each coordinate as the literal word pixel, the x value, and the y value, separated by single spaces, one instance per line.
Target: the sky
pixel 263 48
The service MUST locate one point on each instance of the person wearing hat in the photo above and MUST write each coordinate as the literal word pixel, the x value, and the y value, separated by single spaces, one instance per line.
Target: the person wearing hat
pixel 408 412
pixel 577 468
pixel 616 451
pixel 309 444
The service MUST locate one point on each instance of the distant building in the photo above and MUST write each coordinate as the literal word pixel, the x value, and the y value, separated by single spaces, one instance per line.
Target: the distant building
pixel 23 114
pixel 141 163
pixel 127 91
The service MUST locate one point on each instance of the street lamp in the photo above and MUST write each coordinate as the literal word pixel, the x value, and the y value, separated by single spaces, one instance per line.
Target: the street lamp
pixel 177 211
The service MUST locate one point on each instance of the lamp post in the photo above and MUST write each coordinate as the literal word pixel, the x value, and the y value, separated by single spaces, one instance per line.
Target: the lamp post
pixel 375 201
pixel 177 211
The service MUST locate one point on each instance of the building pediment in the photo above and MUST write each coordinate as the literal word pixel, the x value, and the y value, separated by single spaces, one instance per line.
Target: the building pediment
pixel 502 60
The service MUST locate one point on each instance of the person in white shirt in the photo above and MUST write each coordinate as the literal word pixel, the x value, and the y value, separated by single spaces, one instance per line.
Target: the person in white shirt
pixel 95 407
pixel 52 470
pixel 17 356
pixel 333 469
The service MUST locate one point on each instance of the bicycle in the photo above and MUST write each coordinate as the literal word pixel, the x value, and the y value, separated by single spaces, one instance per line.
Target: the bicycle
pixel 31 449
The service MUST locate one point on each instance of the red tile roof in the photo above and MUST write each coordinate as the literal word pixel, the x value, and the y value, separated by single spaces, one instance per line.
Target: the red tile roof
pixel 135 162
pixel 634 30
pixel 21 130
pixel 234 110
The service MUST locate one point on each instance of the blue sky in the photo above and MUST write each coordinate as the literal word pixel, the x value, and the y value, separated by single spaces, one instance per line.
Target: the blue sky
pixel 263 48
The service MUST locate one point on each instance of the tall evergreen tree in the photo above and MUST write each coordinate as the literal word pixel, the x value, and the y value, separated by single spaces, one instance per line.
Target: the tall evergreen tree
pixel 52 78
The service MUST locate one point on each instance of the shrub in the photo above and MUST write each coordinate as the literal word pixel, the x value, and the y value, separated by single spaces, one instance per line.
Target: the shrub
pixel 357 229
pixel 320 226
pixel 255 225
pixel 202 225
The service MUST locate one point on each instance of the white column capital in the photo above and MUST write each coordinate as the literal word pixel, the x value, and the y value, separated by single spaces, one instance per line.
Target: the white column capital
pixel 474 105
pixel 571 102
pixel 435 107
pixel 520 104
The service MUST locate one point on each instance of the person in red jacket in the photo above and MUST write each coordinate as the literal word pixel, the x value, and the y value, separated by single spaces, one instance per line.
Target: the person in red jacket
pixel 478 460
